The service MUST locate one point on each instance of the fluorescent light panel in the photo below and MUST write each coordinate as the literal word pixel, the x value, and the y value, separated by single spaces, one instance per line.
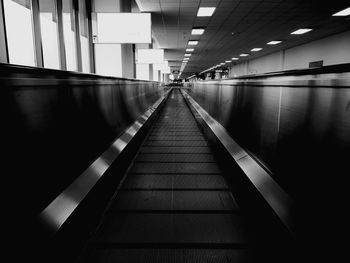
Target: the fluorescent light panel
pixel 256 49
pixel 344 12
pixel 187 55
pixel 206 11
pixel 197 31
pixel 244 55
pixel 222 63
pixel 189 49
pixel 274 42
pixel 228 61
pixel 193 43
pixel 235 58
pixel 301 31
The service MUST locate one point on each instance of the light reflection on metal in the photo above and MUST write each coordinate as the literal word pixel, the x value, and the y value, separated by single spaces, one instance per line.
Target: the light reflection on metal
pixel 59 210
pixel 273 194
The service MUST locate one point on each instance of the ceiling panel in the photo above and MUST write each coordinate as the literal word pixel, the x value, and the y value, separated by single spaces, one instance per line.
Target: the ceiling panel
pixel 238 26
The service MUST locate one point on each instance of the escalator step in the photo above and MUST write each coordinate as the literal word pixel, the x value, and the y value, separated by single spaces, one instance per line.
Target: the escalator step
pixel 164 255
pixel 171 143
pixel 139 228
pixel 174 205
pixel 175 201
pixel 174 133
pixel 176 138
pixel 147 149
pixel 175 181
pixel 177 158
pixel 175 168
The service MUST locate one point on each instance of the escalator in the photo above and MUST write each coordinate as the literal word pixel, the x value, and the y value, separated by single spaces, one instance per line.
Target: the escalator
pixel 174 204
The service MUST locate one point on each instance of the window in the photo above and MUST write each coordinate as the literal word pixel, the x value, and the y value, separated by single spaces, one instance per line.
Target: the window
pixel 84 40
pixel 49 37
pixel 19 32
pixel 69 34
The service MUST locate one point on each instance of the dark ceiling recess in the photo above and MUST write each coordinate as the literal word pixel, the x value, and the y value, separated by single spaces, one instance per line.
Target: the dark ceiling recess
pixel 253 22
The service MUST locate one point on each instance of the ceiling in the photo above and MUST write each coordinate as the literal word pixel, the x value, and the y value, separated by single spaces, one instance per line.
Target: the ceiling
pixel 237 26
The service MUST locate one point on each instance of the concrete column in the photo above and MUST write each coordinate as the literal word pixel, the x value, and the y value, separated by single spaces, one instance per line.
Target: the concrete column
pixel 128 61
pixel 143 71
pixel 128 56
pixel 151 72
pixel 282 56
pixel 166 77
pixel 3 42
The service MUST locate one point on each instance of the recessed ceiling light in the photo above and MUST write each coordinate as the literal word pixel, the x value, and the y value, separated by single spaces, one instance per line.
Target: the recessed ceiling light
pixel 185 61
pixel 244 55
pixel 301 31
pixel 193 43
pixel 228 61
pixel 197 31
pixel 186 58
pixel 274 42
pixel 256 49
pixel 206 11
pixel 222 63
pixel 344 12
pixel 235 58
pixel 218 65
pixel 189 49
pixel 188 55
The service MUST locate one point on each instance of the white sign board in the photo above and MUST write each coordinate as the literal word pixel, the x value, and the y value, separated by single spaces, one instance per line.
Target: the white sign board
pixel 150 56
pixel 124 28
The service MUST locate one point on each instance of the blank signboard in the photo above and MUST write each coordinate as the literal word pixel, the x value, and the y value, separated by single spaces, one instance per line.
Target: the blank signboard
pixel 150 56
pixel 124 28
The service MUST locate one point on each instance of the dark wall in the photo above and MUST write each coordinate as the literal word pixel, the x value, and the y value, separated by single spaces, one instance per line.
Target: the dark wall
pixel 55 123
pixel 297 124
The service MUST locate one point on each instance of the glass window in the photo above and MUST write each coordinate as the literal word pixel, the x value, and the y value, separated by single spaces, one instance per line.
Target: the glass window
pixel 19 32
pixel 69 34
pixel 84 40
pixel 49 33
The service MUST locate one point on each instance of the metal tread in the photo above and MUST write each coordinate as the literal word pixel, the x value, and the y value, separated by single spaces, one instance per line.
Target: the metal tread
pixel 174 204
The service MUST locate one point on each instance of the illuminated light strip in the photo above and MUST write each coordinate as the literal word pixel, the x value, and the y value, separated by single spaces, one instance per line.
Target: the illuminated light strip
pixel 301 31
pixel 344 12
pixel 197 31
pixel 206 11
pixel 193 42
pixel 274 42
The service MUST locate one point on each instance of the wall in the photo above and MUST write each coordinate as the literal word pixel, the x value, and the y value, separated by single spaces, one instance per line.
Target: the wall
pixel 332 50
pixel 58 122
pixel 296 126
